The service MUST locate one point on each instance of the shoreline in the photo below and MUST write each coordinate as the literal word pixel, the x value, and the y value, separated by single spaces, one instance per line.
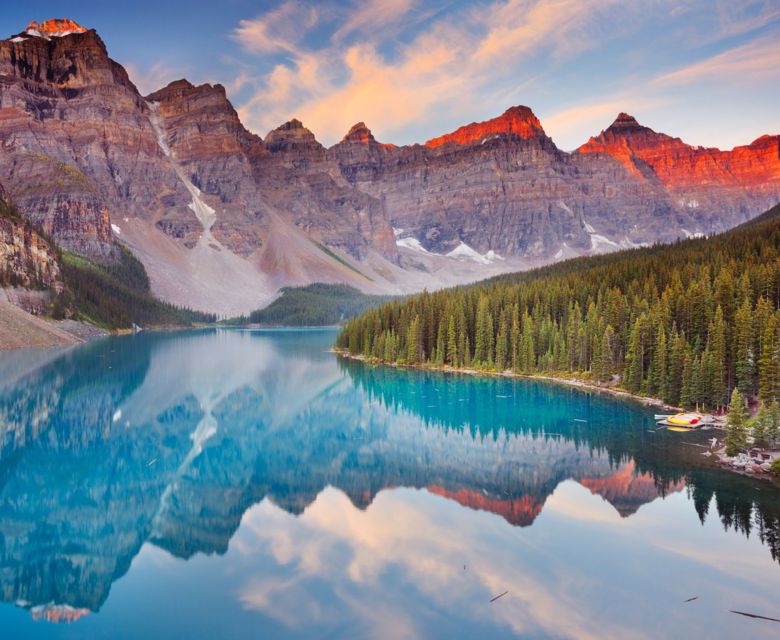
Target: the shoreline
pixel 570 382
pixel 720 460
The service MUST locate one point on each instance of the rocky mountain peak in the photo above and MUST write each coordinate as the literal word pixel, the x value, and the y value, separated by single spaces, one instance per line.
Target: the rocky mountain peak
pixel 621 136
pixel 54 28
pixel 517 121
pixel 626 125
pixel 173 89
pixel 624 120
pixel 291 136
pixel 359 133
pixel 183 88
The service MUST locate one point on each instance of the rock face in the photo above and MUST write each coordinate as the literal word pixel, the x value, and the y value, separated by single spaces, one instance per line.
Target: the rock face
pixel 718 189
pixel 222 219
pixel 26 259
pixel 73 136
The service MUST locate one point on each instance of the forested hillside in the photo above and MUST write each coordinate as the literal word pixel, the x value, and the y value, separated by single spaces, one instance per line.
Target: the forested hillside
pixel 315 305
pixel 117 295
pixel 685 322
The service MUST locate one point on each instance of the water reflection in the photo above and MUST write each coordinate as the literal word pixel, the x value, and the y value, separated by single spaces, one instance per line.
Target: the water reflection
pixel 171 439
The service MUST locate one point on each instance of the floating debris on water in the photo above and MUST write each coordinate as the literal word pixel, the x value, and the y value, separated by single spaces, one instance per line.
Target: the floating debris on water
pixel 753 615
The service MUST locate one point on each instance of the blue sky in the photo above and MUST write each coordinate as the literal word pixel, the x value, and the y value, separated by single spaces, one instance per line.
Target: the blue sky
pixel 707 71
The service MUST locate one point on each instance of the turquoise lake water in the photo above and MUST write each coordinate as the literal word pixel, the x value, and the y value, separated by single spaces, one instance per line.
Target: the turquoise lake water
pixel 233 484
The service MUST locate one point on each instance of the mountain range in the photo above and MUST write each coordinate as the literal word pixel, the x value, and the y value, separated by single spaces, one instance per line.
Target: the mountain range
pixel 222 218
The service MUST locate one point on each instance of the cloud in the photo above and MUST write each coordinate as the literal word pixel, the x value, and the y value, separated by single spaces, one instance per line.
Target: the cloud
pixel 281 29
pixel 738 18
pixel 373 15
pixel 406 535
pixel 414 70
pixel 568 124
pixel 456 61
pixel 748 63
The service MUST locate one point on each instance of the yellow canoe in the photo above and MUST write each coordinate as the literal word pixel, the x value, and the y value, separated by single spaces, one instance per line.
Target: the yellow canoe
pixel 686 420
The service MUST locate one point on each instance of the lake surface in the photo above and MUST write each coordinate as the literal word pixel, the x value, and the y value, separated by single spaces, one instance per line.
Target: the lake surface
pixel 232 484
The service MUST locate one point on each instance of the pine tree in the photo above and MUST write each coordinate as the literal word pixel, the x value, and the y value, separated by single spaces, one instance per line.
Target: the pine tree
pixel 502 344
pixel 743 348
pixel 760 427
pixel 687 390
pixel 413 337
pixel 514 341
pixel 452 343
pixel 736 430
pixel 659 384
pixel 483 341
pixel 717 343
pixel 603 363
pixel 769 363
pixel 773 423
pixel 635 358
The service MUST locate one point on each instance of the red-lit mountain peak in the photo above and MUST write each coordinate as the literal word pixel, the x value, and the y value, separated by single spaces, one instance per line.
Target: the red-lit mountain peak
pixel 359 133
pixel 55 27
pixel 519 121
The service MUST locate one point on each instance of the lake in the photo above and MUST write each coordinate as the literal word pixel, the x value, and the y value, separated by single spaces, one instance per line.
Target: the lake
pixel 232 484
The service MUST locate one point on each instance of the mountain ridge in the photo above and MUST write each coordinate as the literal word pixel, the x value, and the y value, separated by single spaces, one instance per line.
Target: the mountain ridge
pixel 203 201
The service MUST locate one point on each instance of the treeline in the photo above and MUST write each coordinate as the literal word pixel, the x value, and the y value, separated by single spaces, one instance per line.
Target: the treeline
pixel 315 305
pixel 116 295
pixel 686 322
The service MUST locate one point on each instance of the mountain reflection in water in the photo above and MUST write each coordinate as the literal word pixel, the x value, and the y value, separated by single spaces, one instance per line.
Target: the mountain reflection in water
pixel 170 439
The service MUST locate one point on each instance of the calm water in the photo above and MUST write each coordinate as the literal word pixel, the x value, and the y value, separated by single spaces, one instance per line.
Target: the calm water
pixel 227 484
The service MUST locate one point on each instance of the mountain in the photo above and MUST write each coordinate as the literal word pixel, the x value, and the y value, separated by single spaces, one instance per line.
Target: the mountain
pixel 203 202
pixel 718 188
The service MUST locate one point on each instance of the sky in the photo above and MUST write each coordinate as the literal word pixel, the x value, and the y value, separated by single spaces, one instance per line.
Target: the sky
pixel 707 71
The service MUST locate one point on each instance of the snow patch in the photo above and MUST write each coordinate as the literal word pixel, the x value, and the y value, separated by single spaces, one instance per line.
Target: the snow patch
pixel 690 204
pixel 18 39
pixel 465 252
pixel 411 243
pixel 204 213
pixel 397 232
pixel 116 229
pixel 598 241
pixel 117 416
pixel 156 121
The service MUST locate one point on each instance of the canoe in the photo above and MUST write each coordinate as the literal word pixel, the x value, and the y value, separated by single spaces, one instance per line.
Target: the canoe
pixel 686 419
